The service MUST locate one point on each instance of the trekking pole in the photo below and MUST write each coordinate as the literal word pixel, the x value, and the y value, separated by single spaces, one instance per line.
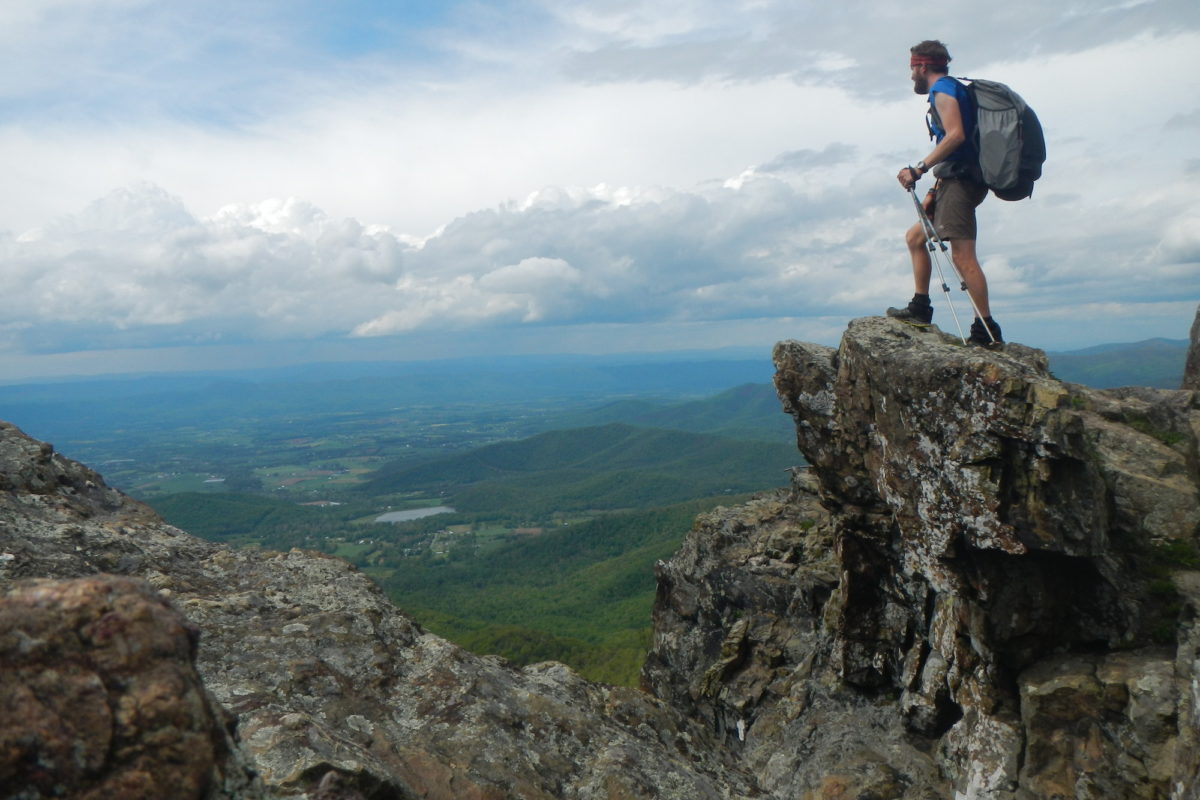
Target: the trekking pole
pixel 931 236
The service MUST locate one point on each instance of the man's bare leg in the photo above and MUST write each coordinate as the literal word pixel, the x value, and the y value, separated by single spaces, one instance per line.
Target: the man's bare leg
pixel 921 264
pixel 919 310
pixel 962 251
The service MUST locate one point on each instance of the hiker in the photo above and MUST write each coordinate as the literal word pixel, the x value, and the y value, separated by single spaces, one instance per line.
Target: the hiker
pixel 952 200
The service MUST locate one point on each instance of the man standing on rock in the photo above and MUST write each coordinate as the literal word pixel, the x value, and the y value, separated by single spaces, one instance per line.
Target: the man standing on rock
pixel 952 200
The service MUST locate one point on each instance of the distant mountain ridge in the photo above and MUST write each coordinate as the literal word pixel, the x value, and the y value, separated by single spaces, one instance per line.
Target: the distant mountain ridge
pixel 1157 363
pixel 750 411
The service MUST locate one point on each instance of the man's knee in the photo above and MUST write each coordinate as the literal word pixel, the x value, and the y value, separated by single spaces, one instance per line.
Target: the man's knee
pixel 915 238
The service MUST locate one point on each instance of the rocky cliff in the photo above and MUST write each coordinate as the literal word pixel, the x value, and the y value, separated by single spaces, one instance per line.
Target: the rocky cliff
pixel 992 602
pixel 978 588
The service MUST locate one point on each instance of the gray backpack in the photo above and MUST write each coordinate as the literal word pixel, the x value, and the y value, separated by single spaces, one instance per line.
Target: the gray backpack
pixel 1008 138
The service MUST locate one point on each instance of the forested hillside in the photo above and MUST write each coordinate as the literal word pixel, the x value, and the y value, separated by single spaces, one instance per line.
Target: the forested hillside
pixel 1155 362
pixel 579 594
pixel 606 467
pixel 749 412
pixel 270 522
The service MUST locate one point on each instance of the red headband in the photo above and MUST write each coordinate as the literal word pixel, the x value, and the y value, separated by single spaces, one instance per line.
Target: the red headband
pixel 926 61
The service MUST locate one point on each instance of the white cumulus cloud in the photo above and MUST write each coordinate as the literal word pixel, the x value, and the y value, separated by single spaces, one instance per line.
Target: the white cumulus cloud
pixel 574 166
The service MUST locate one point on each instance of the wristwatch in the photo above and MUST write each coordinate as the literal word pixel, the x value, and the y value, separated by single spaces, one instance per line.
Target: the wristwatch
pixel 922 168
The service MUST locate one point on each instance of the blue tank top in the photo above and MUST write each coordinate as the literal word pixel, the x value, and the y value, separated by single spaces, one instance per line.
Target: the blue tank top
pixel 966 108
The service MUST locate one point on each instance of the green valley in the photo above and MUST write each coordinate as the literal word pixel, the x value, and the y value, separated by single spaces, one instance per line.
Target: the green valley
pixel 549 551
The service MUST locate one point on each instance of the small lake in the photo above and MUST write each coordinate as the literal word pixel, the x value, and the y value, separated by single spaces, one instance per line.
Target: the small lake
pixel 413 513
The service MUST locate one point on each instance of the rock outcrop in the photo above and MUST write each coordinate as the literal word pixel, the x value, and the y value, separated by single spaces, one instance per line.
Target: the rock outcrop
pixel 1191 368
pixel 988 602
pixel 977 588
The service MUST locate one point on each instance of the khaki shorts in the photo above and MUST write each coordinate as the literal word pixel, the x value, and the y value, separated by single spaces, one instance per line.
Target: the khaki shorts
pixel 954 207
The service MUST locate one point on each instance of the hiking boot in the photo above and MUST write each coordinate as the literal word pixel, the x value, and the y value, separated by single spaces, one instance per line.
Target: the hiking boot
pixel 979 333
pixel 919 312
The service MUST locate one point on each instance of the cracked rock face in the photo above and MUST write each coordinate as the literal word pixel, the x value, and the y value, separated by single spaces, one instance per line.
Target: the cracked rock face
pixel 985 584
pixel 742 641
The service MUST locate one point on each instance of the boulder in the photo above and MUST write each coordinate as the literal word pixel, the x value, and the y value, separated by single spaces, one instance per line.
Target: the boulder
pixel 101 697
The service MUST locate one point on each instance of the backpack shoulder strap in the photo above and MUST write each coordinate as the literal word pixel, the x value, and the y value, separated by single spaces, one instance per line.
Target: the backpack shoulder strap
pixel 933 122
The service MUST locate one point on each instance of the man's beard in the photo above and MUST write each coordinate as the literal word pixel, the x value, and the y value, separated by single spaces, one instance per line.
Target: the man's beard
pixel 921 85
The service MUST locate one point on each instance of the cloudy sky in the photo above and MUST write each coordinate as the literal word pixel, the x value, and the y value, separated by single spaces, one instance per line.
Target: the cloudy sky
pixel 191 184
